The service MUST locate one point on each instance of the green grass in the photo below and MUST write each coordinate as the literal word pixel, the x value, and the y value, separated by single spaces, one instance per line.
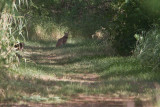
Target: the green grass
pixel 54 75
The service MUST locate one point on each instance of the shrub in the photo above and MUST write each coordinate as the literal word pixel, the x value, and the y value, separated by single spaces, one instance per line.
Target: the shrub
pixel 11 25
pixel 82 18
pixel 148 48
pixel 131 17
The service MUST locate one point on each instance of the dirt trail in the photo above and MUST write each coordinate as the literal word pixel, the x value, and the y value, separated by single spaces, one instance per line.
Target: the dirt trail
pixel 51 58
pixel 89 101
pixel 38 56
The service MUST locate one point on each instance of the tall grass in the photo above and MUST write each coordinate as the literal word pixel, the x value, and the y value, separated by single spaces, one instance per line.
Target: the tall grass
pixel 11 29
pixel 44 28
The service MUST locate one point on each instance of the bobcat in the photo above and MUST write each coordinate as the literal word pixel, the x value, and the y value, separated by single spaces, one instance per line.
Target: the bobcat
pixel 62 40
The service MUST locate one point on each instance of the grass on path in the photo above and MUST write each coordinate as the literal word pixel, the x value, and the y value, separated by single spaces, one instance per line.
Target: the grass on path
pixel 56 75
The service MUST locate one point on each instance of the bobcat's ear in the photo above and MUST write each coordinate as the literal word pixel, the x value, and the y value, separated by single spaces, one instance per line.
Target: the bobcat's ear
pixel 66 32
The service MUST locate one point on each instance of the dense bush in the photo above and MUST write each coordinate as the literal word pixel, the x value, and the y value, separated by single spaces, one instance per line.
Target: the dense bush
pixel 82 18
pixel 11 29
pixel 148 48
pixel 131 17
pixel 122 19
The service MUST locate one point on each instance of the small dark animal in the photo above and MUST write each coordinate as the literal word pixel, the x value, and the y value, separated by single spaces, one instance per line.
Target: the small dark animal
pixel 62 40
pixel 19 46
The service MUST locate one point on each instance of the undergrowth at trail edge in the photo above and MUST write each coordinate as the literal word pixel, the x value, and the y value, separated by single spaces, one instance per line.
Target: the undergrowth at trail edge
pixel 55 75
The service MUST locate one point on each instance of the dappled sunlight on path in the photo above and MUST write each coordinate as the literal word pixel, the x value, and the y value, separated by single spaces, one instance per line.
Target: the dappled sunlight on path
pixel 71 74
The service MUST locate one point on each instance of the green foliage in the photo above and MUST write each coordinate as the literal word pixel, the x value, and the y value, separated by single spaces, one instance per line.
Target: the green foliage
pixel 132 16
pixel 11 25
pixel 121 18
pixel 61 71
pixel 148 49
pixel 82 18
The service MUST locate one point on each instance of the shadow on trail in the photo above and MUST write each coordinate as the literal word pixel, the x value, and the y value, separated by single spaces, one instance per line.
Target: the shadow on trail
pixel 90 57
pixel 35 48
pixel 88 104
pixel 45 88
pixel 80 59
pixel 68 54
